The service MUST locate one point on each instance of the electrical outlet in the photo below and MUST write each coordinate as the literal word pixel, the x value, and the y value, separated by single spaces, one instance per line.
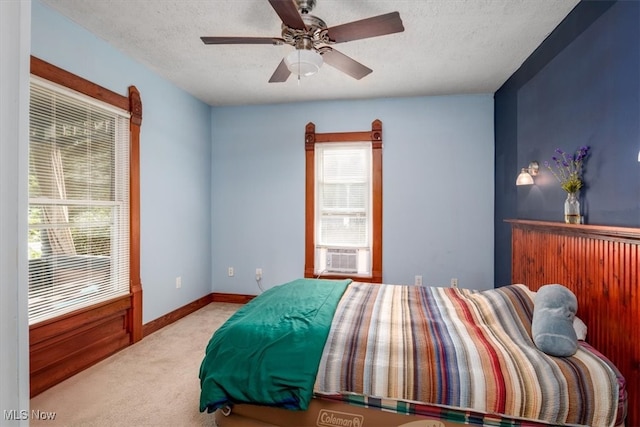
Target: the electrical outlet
pixel 178 282
pixel 454 282
pixel 418 281
pixel 258 274
pixel 230 272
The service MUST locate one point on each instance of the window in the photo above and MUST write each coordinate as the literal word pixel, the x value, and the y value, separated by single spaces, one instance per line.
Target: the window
pixel 343 208
pixel 344 204
pixel 78 201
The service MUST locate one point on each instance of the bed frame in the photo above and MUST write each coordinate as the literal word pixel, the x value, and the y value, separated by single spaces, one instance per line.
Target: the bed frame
pixel 326 413
pixel 601 265
pixel 321 414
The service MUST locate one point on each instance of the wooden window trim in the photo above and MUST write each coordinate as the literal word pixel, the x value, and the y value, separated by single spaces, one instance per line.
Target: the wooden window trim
pixel 310 139
pixel 133 104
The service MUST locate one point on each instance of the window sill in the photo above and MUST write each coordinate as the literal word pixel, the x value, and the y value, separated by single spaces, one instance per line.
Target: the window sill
pixel 366 278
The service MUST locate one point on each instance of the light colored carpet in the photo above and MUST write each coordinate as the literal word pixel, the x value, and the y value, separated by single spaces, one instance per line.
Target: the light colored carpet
pixel 151 383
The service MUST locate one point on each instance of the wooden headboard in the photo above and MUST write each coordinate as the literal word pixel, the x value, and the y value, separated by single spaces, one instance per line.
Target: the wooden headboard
pixel 601 265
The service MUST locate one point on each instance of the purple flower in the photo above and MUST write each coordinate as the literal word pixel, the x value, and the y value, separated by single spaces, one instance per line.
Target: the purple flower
pixel 568 168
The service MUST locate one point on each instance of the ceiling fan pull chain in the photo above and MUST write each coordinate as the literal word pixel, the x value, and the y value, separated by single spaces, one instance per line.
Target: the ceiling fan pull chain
pixel 298 67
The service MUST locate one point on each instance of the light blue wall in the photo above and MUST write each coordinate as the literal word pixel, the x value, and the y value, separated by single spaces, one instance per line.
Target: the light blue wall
pixel 175 151
pixel 15 20
pixel 438 177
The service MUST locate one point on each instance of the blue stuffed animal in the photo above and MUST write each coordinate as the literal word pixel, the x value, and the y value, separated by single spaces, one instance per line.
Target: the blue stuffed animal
pixel 554 309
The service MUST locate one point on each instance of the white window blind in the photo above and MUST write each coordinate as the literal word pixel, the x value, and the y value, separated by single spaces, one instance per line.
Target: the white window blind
pixel 78 201
pixel 343 202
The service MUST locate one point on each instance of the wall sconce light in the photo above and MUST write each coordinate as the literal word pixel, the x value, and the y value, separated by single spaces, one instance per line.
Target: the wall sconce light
pixel 527 174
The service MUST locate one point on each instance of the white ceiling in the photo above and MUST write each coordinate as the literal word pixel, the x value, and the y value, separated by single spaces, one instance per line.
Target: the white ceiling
pixel 448 46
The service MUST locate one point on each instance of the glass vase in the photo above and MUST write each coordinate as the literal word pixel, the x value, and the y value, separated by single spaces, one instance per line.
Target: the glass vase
pixel 572 209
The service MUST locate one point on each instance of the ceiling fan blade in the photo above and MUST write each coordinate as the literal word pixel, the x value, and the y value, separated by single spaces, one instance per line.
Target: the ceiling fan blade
pixel 370 27
pixel 242 40
pixel 288 13
pixel 345 64
pixel 281 74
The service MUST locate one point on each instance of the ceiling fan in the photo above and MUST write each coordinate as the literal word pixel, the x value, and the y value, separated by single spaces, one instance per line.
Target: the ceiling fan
pixel 312 39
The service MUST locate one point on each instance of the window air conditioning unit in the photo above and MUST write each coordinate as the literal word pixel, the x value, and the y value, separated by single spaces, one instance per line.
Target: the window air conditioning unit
pixel 340 260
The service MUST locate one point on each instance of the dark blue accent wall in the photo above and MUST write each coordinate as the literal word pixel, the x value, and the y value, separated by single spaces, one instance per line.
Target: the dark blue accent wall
pixel 580 87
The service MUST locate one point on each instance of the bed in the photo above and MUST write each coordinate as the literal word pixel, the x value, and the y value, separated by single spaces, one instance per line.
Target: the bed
pixel 342 353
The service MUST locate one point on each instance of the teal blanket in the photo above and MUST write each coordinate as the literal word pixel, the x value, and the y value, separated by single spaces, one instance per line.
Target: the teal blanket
pixel 268 352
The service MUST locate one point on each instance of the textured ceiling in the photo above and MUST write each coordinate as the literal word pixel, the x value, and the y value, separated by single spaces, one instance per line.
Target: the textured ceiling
pixel 448 46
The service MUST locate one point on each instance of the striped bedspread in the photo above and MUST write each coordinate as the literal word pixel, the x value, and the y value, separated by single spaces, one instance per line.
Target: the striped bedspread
pixel 461 348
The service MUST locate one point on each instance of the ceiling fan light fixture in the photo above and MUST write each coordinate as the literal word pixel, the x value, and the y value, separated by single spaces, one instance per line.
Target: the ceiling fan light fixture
pixel 304 62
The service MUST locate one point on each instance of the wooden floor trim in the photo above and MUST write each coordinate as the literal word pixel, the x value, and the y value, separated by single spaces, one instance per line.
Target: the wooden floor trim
pixel 232 298
pixel 169 318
